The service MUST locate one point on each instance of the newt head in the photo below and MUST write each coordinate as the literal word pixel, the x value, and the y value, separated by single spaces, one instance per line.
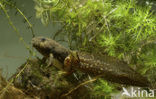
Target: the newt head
pixel 43 45
pixel 46 46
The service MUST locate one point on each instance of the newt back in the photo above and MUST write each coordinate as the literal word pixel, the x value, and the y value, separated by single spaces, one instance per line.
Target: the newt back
pixel 110 68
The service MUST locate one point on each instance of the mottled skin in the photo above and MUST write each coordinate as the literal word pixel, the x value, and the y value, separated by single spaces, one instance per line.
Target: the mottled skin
pixel 110 68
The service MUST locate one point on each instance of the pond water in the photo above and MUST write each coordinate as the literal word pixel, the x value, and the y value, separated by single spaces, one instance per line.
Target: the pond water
pixel 12 52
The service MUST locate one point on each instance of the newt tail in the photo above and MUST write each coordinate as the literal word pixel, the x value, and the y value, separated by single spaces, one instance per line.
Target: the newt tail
pixel 110 68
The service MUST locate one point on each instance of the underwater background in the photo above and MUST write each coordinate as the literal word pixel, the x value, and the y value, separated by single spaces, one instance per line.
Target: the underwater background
pixel 124 30
pixel 12 51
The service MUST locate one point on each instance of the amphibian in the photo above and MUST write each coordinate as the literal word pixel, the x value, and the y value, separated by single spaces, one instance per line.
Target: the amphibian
pixel 110 68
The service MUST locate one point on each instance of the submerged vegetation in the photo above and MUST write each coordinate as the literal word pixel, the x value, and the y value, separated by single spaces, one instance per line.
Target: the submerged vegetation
pixel 120 28
pixel 124 29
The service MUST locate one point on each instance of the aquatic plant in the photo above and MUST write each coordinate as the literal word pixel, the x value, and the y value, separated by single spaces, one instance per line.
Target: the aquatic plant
pixel 123 29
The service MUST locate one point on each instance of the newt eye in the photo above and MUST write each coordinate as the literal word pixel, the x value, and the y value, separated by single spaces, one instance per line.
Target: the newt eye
pixel 43 39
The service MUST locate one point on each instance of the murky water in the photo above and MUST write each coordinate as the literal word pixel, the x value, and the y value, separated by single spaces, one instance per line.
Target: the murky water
pixel 12 52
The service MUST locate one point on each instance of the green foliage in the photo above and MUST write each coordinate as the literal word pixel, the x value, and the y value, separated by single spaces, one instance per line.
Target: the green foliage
pixel 148 57
pixel 120 28
pixel 102 88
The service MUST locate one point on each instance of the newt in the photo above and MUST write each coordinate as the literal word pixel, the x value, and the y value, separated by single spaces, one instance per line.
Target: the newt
pixel 110 68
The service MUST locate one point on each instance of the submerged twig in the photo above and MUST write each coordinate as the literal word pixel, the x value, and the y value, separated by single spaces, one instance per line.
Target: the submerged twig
pixel 12 80
pixel 59 31
pixel 21 39
pixel 84 83
pixel 15 29
pixel 18 10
